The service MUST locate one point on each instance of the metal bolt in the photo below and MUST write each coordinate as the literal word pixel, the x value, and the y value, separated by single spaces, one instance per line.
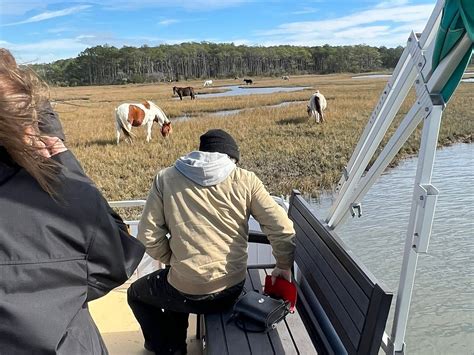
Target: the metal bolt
pixel 421 198
pixel 417 81
pixel 427 109
pixel 420 64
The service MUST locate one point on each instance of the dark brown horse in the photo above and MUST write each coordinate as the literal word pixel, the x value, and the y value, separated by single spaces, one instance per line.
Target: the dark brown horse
pixel 187 91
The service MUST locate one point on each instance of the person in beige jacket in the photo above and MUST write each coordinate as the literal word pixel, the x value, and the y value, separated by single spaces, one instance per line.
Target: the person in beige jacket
pixel 196 221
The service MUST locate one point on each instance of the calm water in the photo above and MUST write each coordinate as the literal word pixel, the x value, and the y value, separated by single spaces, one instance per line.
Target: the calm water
pixel 236 90
pixel 442 309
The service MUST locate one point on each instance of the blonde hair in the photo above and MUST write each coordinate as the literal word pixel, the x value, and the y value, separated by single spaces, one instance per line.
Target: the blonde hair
pixel 20 92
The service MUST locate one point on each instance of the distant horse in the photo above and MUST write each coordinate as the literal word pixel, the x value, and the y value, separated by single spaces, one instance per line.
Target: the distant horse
pixel 187 91
pixel 136 115
pixel 317 104
pixel 207 83
pixel 285 77
pixel 248 81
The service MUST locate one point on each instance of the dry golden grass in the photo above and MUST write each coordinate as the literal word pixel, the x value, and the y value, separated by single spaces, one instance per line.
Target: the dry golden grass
pixel 285 148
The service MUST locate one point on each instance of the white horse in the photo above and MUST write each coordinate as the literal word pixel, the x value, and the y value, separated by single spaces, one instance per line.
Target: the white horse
pixel 207 83
pixel 136 115
pixel 317 104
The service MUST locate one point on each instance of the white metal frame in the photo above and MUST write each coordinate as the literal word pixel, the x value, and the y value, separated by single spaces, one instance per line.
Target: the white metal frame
pixel 413 69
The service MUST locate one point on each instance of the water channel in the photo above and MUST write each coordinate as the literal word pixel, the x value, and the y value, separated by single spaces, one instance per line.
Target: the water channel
pixel 441 319
pixel 237 90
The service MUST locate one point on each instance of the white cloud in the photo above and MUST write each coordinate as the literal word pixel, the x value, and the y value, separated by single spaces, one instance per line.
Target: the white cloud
pixel 200 5
pixel 381 25
pixel 46 51
pixel 20 7
pixel 51 50
pixel 50 14
pixel 241 42
pixel 392 3
pixel 168 22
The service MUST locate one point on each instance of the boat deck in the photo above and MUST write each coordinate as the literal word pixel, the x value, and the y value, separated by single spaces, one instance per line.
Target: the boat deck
pixel 121 331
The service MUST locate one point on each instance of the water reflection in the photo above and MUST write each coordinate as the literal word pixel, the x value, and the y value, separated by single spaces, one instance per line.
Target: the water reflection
pixel 441 318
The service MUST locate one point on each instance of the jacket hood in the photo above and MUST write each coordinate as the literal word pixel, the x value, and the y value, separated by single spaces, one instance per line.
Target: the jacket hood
pixel 205 168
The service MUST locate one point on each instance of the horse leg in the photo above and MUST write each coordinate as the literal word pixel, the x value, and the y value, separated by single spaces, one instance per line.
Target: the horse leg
pixel 117 130
pixel 148 130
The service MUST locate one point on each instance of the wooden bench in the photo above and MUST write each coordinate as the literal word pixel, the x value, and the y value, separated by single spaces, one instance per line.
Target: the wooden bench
pixel 341 307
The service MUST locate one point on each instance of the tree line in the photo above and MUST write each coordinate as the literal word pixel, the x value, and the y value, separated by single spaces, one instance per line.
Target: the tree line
pixel 106 64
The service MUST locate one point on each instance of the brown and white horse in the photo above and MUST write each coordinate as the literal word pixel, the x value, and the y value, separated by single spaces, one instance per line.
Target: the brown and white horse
pixel 136 115
pixel 317 104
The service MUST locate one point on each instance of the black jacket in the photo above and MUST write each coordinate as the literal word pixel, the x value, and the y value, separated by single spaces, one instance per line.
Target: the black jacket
pixel 55 256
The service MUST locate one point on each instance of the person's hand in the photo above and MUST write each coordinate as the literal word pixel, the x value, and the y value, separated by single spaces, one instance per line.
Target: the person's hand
pixel 33 140
pixel 283 273
pixel 54 145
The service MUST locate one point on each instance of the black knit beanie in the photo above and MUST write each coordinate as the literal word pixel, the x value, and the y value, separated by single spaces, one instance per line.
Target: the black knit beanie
pixel 217 140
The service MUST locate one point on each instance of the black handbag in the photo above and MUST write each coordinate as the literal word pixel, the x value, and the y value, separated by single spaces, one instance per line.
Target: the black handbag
pixel 256 312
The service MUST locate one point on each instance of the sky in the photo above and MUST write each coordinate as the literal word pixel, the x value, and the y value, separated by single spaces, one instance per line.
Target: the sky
pixel 42 31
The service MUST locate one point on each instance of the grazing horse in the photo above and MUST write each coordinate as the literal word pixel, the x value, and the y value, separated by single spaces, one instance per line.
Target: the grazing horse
pixel 136 115
pixel 285 77
pixel 317 104
pixel 187 91
pixel 248 81
pixel 207 83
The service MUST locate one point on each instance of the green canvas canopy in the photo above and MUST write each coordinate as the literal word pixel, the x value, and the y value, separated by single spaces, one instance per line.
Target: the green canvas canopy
pixel 457 20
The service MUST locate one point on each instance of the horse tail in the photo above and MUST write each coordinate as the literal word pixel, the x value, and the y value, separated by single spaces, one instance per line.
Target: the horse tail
pixel 317 102
pixel 120 124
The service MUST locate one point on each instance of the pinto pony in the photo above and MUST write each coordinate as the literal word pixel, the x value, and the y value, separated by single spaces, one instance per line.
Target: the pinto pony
pixel 317 104
pixel 136 115
pixel 187 91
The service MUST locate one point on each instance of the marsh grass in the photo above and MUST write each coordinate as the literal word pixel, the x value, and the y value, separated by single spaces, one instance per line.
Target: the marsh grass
pixel 282 145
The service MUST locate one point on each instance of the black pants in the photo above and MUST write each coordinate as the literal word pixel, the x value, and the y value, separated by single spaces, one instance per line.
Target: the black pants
pixel 163 311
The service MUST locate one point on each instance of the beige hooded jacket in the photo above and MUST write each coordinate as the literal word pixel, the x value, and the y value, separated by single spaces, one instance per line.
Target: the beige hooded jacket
pixel 203 204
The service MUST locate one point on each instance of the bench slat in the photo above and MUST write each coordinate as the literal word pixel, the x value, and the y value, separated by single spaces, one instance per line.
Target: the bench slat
pixel 218 345
pixel 331 287
pixel 341 302
pixel 344 284
pixel 358 271
pixel 376 320
pixel 334 309
pixel 335 287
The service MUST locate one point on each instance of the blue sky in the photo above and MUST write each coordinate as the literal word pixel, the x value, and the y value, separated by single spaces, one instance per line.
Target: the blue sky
pixel 41 31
